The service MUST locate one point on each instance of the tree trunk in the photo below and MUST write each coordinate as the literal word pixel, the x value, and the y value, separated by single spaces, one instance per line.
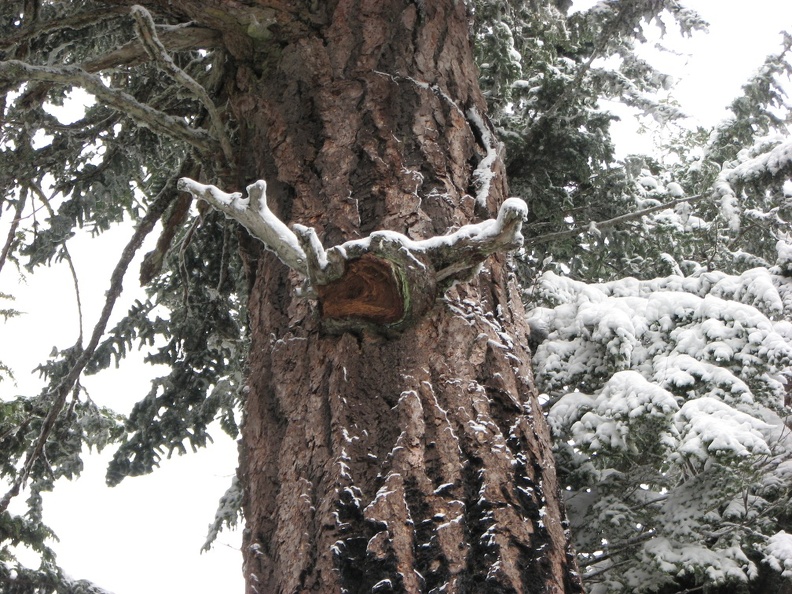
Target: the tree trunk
pixel 378 462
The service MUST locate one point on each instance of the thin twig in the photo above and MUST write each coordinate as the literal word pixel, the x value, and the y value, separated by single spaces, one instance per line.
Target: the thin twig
pixel 147 33
pixel 183 271
pixel 66 256
pixel 630 216
pixel 19 71
pixel 14 224
pixel 173 39
pixel 77 21
pixel 630 542
pixel 587 577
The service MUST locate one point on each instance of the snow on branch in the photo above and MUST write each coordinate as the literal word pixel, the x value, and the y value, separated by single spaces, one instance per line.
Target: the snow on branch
pixel 630 216
pixel 16 71
pixel 255 215
pixel 384 279
pixel 484 171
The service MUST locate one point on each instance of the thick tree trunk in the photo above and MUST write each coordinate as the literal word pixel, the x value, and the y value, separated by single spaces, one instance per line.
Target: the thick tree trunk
pixel 373 463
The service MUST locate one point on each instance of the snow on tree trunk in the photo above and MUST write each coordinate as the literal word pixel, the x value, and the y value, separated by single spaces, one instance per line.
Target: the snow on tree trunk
pixel 373 463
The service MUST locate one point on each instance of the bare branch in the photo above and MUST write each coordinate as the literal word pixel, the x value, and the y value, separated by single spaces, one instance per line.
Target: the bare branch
pixel 77 21
pixel 67 256
pixel 630 216
pixel 14 224
pixel 15 70
pixel 450 255
pixel 383 282
pixel 174 39
pixel 148 35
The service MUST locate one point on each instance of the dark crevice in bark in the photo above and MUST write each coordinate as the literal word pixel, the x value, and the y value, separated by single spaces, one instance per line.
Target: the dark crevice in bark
pixel 481 555
pixel 424 526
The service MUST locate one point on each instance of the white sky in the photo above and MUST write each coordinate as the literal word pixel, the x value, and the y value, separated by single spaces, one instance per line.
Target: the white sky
pixel 145 535
pixel 710 69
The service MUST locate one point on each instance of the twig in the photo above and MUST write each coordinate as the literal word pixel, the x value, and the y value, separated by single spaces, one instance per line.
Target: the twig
pixel 67 256
pixel 609 223
pixel 587 577
pixel 14 224
pixel 77 21
pixel 16 70
pixel 172 38
pixel 626 544
pixel 147 33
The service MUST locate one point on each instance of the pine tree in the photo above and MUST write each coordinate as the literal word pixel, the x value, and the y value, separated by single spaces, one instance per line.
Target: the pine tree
pixel 391 440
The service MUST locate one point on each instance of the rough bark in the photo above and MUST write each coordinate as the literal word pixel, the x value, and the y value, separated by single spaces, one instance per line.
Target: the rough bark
pixel 417 462
pixel 376 464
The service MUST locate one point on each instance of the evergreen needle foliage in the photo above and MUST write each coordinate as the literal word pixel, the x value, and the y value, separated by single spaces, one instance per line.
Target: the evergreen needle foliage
pixel 659 293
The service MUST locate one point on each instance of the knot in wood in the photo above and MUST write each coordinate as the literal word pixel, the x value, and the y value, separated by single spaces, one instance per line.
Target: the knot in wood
pixel 384 291
pixel 369 290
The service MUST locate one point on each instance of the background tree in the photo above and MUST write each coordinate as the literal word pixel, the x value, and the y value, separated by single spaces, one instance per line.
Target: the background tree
pixel 667 392
pixel 384 447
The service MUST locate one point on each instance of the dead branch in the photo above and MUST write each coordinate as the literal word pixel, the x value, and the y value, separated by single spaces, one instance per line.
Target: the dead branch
pixel 147 33
pixel 18 71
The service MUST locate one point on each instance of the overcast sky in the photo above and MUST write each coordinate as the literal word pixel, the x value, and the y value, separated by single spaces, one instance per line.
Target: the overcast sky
pixel 145 535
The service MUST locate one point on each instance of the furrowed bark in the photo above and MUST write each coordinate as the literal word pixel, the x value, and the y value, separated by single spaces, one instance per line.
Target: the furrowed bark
pixel 415 462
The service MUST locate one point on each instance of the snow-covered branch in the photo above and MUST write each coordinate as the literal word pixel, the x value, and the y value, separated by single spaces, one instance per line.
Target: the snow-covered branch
pixel 255 215
pixel 630 216
pixel 18 71
pixel 484 173
pixel 386 278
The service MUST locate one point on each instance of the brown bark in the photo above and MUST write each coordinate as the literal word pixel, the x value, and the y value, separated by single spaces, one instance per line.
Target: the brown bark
pixel 417 462
pixel 377 464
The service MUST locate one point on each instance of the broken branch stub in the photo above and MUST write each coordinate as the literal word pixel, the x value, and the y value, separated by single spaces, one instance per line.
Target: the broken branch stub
pixel 384 282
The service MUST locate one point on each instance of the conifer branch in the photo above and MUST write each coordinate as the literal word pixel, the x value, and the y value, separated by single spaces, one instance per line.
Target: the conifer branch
pixel 66 256
pixel 65 386
pixel 147 33
pixel 18 71
pixel 174 39
pixel 630 216
pixel 20 205
pixel 77 21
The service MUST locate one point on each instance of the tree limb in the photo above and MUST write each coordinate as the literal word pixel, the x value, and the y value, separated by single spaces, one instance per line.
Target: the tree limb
pixel 17 71
pixel 67 256
pixel 66 385
pixel 255 215
pixel 20 205
pixel 77 21
pixel 630 216
pixel 147 33
pixel 174 39
pixel 385 281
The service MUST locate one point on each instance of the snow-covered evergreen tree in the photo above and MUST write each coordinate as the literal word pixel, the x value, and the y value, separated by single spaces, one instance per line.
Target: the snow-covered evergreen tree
pixel 667 390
